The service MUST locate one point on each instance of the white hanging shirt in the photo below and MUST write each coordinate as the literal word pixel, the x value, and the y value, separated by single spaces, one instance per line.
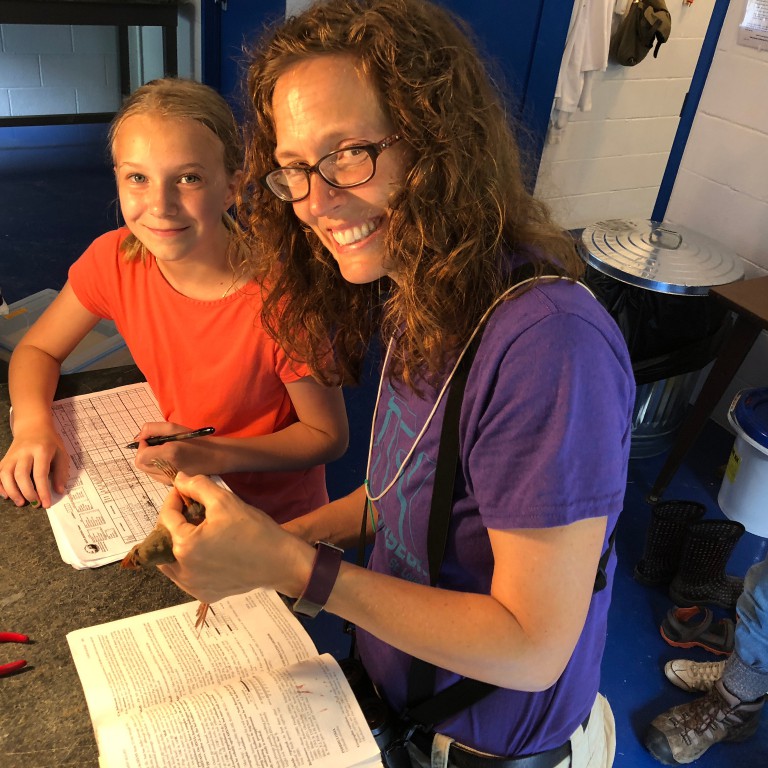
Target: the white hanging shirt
pixel 586 52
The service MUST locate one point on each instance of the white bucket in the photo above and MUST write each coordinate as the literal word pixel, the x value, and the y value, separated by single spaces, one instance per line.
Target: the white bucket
pixel 744 491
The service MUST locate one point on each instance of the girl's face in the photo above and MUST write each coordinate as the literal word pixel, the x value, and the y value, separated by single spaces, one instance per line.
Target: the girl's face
pixel 173 186
pixel 322 105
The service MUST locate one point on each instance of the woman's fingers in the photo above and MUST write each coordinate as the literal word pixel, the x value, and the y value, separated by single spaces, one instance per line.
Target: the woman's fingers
pixel 171 516
pixel 202 489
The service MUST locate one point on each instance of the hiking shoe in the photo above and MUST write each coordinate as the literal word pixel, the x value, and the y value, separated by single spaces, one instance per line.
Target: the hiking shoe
pixel 694 675
pixel 684 733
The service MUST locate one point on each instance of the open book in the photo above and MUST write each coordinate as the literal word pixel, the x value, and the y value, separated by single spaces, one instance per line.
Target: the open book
pixel 250 690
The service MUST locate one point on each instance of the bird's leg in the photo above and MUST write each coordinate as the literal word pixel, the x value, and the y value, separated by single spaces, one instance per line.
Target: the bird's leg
pixel 157 547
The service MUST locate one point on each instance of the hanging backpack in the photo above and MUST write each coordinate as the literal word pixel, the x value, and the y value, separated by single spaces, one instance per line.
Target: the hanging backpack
pixel 646 22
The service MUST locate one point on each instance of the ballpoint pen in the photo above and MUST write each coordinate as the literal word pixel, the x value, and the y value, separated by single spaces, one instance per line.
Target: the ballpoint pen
pixel 160 439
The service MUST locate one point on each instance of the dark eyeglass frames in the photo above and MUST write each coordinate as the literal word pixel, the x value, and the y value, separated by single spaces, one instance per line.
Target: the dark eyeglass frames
pixel 342 169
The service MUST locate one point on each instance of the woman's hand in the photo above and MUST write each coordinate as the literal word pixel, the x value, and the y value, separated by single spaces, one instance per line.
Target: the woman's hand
pixel 35 466
pixel 235 549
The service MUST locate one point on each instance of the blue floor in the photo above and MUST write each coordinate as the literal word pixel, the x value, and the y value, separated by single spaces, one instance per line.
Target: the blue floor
pixel 633 678
pixel 47 219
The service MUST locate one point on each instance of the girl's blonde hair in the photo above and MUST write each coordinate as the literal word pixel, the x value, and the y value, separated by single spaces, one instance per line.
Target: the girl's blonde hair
pixel 174 97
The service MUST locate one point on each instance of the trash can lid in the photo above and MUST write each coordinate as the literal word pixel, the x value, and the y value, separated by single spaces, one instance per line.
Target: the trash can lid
pixel 751 414
pixel 667 258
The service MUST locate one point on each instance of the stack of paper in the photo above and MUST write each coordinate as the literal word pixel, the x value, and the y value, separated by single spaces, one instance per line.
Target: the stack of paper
pixel 109 505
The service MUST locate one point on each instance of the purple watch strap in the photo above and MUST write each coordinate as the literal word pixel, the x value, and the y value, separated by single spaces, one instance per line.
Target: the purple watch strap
pixel 325 569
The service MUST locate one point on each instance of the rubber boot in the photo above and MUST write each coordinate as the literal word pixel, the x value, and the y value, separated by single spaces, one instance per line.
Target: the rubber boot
pixel 664 540
pixel 701 577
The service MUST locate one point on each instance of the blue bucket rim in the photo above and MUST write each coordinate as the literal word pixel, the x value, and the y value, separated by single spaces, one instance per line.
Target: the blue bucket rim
pixel 749 413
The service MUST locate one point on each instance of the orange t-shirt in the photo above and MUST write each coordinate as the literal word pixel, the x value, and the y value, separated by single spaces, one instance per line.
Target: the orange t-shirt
pixel 209 363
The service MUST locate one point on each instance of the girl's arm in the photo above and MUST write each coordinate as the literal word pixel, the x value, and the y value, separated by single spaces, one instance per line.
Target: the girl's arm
pixel 519 636
pixel 320 435
pixel 37 450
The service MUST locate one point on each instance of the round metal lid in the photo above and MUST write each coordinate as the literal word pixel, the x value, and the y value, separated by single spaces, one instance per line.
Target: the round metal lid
pixel 660 257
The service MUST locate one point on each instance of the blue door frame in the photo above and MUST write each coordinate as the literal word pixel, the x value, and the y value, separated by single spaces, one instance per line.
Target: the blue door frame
pixel 690 106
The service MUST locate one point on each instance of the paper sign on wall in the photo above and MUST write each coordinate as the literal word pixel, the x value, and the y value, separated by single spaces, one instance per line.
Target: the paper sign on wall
pixel 753 30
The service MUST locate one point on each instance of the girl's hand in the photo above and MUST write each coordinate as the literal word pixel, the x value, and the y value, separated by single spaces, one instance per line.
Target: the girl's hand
pixel 34 467
pixel 173 452
pixel 235 549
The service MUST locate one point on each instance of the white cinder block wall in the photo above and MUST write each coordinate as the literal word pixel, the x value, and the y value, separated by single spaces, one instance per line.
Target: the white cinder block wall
pixel 722 185
pixel 610 161
pixel 49 69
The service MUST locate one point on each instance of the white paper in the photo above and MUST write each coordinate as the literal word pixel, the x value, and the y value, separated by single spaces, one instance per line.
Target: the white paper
pixel 108 505
pixel 249 690
pixel 753 30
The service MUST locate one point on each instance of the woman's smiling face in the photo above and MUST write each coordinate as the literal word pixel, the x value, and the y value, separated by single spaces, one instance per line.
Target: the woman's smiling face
pixel 321 105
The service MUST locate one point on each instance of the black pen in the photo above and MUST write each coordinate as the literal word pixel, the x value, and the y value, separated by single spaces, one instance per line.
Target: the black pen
pixel 160 439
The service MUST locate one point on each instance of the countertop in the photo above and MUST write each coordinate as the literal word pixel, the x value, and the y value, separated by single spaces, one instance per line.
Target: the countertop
pixel 44 721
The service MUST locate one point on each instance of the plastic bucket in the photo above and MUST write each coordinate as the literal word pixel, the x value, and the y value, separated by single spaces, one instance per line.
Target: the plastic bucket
pixel 744 491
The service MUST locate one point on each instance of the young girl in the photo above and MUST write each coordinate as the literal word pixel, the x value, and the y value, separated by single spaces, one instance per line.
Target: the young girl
pixel 177 284
pixel 380 150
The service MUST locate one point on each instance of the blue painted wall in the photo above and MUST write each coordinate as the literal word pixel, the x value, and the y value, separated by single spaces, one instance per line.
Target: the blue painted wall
pixel 522 41
pixel 32 148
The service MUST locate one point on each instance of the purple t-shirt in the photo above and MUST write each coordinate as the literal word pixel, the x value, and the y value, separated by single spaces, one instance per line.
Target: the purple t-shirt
pixel 544 441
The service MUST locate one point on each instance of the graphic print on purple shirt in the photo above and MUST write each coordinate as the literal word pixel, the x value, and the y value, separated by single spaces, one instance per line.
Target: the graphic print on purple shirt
pixel 391 446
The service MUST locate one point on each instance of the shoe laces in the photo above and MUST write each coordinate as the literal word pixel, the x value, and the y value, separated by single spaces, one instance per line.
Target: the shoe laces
pixel 695 675
pixel 710 713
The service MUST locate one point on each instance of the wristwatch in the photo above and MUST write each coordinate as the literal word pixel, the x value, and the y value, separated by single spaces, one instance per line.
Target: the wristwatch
pixel 325 569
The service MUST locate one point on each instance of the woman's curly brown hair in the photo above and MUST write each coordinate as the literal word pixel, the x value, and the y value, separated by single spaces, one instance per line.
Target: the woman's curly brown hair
pixel 462 212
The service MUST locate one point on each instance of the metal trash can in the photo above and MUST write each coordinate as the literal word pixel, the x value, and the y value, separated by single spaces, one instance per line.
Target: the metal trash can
pixel 654 279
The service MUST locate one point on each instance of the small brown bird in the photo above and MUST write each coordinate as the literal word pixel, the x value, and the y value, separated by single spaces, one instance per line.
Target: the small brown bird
pixel 157 547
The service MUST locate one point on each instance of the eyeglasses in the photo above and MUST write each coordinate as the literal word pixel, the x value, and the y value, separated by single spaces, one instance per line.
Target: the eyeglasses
pixel 342 169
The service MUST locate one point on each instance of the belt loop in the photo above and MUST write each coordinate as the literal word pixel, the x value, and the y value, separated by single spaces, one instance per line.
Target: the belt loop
pixel 441 745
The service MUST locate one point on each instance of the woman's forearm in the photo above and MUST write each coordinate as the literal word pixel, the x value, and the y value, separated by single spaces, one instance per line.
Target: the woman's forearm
pixel 338 522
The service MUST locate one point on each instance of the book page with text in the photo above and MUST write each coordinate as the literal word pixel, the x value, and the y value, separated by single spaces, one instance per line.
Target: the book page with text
pixel 301 715
pixel 158 657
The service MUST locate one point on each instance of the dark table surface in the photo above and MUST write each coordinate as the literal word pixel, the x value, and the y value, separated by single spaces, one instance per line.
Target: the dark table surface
pixel 44 721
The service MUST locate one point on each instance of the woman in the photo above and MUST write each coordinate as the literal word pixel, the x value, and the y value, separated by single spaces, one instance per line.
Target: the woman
pixel 388 169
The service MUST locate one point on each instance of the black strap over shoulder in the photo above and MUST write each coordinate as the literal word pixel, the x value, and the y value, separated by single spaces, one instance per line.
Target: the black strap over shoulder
pixel 426 709
pixel 421 679
pixel 447 463
pixel 448 450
